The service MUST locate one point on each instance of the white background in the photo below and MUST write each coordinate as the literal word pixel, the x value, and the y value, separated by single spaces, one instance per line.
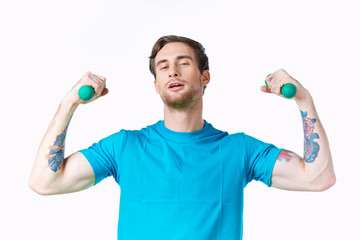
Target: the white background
pixel 46 46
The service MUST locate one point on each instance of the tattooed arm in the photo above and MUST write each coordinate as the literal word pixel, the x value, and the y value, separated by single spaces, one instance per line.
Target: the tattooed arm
pixel 314 171
pixel 52 173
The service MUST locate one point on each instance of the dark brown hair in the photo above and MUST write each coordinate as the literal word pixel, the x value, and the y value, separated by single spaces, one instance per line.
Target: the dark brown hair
pixel 199 50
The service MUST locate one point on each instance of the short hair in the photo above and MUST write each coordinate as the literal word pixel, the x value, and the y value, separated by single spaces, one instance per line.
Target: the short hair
pixel 202 59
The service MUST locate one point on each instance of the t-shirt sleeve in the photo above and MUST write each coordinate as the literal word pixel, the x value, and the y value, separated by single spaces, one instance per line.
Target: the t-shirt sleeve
pixel 103 156
pixel 261 158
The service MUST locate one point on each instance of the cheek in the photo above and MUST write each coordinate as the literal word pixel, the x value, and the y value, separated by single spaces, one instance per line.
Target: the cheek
pixel 161 77
pixel 160 85
pixel 156 86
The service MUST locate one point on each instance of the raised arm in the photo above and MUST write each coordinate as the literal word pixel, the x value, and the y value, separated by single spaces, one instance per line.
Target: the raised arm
pixel 314 171
pixel 52 173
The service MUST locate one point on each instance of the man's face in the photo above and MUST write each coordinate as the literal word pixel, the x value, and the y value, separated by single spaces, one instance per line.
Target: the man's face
pixel 178 78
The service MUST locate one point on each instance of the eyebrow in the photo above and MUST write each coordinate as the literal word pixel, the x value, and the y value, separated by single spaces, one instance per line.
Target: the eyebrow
pixel 177 58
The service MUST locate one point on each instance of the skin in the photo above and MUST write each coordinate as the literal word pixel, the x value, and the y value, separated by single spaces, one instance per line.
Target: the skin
pixel 298 173
pixel 74 172
pixel 176 62
pixel 183 107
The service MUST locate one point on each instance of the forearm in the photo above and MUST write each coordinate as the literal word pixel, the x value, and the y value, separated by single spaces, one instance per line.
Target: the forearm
pixel 49 160
pixel 318 165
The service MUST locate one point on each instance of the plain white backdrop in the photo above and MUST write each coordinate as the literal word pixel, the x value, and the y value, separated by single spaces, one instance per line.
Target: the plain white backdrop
pixel 46 46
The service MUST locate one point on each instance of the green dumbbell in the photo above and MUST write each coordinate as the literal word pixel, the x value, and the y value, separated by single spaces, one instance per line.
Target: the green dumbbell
pixel 288 90
pixel 86 92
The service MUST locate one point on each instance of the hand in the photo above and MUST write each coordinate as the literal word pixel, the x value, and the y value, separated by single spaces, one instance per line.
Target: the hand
pixel 97 82
pixel 277 79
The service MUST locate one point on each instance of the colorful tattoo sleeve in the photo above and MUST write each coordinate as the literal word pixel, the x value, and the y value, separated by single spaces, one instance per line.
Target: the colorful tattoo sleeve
pixel 56 153
pixel 311 148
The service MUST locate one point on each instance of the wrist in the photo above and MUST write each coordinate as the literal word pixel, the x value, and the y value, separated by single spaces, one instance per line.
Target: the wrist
pixel 69 104
pixel 304 100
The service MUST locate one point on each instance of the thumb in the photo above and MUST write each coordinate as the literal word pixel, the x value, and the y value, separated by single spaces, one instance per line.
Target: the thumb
pixel 265 89
pixel 104 92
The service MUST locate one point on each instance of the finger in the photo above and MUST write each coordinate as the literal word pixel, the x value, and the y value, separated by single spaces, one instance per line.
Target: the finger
pixel 99 78
pixel 104 92
pixel 265 89
pixel 99 85
pixel 102 78
pixel 96 79
pixel 268 79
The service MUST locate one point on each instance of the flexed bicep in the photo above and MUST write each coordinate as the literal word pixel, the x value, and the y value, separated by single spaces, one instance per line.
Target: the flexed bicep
pixel 288 172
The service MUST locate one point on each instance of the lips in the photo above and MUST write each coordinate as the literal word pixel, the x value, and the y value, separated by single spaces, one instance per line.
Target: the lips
pixel 175 85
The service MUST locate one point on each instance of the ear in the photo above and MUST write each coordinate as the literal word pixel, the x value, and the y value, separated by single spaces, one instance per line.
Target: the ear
pixel 205 79
pixel 156 86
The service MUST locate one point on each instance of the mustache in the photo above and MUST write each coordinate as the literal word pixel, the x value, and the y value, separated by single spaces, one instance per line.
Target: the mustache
pixel 175 80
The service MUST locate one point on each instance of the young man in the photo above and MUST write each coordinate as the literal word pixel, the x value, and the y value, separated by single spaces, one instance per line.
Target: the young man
pixel 181 178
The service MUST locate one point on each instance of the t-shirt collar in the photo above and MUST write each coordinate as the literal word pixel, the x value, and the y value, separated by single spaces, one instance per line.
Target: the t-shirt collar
pixel 184 136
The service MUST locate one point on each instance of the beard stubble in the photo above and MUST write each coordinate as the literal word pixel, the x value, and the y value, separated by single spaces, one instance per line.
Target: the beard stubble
pixel 182 100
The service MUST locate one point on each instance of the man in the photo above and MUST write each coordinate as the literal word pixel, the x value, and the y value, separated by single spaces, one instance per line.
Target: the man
pixel 181 178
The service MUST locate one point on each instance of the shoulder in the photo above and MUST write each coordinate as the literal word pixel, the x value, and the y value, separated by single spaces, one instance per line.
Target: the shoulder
pixel 214 132
pixel 138 134
pixel 235 137
pixel 245 138
pixel 246 143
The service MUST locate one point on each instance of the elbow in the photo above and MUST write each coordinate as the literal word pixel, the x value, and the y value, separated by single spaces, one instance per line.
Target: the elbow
pixel 37 188
pixel 323 180
pixel 329 183
pixel 325 184
pixel 329 179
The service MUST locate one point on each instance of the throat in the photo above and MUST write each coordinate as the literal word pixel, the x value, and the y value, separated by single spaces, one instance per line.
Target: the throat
pixel 184 119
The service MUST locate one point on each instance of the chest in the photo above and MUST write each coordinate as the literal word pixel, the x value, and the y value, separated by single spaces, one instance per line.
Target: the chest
pixel 179 172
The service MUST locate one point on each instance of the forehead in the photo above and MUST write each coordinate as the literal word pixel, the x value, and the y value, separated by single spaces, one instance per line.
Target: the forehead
pixel 174 49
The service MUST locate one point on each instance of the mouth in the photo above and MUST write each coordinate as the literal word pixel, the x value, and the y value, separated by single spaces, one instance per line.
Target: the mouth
pixel 175 86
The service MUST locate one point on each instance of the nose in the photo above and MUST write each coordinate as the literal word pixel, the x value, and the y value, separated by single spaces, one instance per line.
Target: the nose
pixel 173 72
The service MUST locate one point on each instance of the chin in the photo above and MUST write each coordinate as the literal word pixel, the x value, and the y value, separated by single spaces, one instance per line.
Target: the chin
pixel 182 102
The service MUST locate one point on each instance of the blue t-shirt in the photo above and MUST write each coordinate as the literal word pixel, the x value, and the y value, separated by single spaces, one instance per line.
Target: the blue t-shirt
pixel 178 186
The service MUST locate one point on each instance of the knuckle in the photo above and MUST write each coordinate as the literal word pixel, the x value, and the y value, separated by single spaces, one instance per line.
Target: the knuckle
pixel 87 74
pixel 86 77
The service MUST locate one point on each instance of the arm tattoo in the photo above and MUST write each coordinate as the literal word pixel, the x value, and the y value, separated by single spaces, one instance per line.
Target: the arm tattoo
pixel 311 148
pixel 284 155
pixel 56 153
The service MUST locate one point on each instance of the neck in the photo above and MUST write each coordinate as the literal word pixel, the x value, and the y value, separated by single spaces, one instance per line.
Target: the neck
pixel 184 120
